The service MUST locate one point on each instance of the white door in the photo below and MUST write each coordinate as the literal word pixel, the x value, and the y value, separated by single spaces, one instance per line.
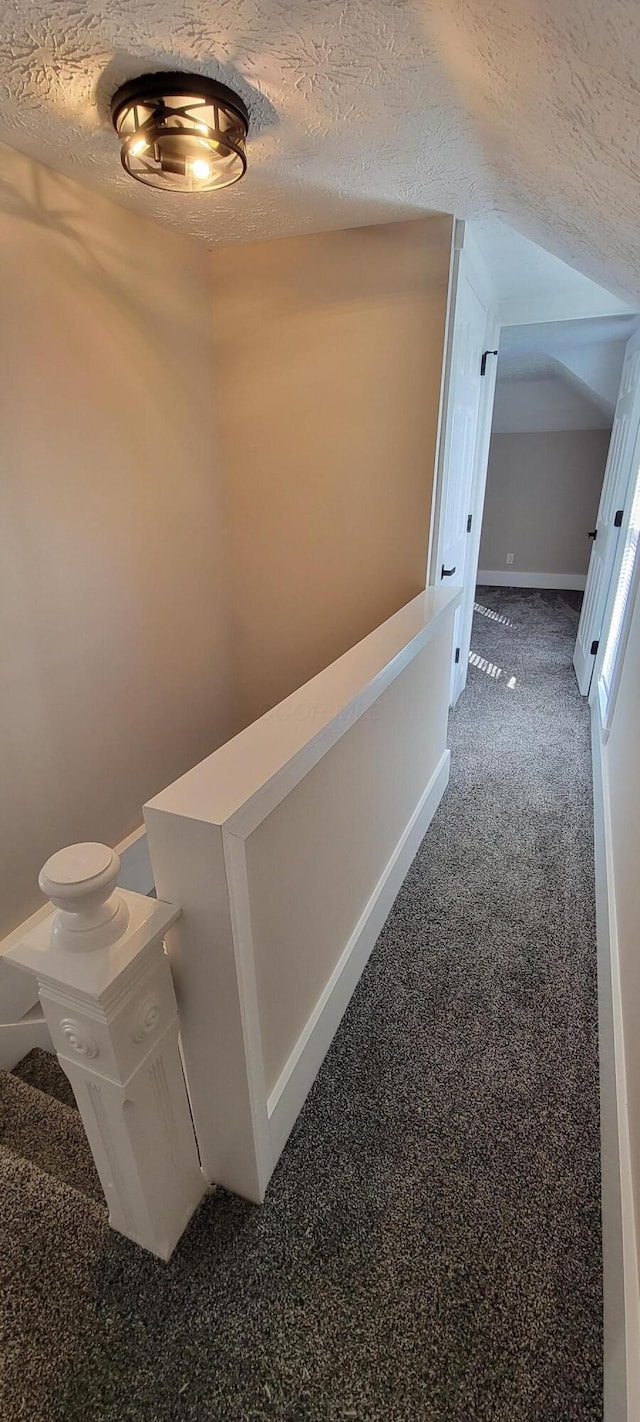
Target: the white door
pixel 469 330
pixel 610 513
pixel 483 440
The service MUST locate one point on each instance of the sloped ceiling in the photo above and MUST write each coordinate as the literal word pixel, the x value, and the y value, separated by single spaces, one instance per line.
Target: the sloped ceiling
pixel 560 376
pixel 362 110
pixel 532 287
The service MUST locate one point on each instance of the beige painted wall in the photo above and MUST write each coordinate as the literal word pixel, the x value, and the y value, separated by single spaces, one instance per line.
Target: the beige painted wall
pixel 329 367
pixel 125 542
pixel 113 624
pixel 542 498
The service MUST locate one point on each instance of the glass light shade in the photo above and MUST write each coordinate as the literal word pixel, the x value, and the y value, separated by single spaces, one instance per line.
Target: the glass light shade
pixel 182 132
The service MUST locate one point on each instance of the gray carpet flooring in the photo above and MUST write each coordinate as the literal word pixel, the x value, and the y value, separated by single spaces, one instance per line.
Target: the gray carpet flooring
pixel 48 1133
pixel 40 1069
pixel 430 1243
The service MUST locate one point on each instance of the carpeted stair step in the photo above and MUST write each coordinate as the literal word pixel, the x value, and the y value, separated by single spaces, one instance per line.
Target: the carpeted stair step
pixel 48 1133
pixel 54 1243
pixel 42 1070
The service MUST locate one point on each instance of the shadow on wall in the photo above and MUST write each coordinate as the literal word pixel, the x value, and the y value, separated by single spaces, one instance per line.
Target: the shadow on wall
pixel 330 352
pixel 153 601
pixel 113 620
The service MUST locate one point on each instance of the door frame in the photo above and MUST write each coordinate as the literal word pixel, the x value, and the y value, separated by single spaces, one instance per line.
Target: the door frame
pixel 483 442
pixel 622 487
pixel 466 260
pixel 596 695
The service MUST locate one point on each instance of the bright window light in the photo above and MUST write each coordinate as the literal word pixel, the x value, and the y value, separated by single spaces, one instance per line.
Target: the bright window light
pixel 475 660
pixel 621 606
pixel 495 616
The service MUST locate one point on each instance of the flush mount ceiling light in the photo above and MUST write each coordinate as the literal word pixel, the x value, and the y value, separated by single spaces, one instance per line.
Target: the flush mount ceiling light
pixel 182 132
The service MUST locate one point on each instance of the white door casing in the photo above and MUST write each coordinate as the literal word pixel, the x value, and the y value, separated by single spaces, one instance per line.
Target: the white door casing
pixel 619 469
pixel 483 440
pixel 459 465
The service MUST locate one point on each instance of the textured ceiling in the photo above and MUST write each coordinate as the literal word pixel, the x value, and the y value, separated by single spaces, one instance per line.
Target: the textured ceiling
pixel 362 110
pixel 532 286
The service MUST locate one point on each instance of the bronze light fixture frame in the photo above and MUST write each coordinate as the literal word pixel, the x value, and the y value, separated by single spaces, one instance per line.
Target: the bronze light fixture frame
pixel 181 132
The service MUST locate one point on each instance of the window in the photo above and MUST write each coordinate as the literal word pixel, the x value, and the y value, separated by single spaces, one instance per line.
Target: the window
pixel 621 609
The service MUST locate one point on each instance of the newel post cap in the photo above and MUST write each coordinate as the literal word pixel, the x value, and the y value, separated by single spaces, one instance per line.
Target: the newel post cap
pixel 79 873
pixel 80 881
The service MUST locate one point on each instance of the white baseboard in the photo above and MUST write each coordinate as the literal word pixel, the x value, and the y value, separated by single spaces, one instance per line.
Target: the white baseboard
pixel 499 578
pixel 620 1258
pixel 293 1085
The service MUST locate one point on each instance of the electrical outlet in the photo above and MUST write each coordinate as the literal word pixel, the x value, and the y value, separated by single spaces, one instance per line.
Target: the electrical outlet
pixel 510 557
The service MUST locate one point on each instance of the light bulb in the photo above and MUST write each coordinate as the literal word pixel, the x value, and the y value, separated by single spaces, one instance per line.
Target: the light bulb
pixel 184 133
pixel 200 168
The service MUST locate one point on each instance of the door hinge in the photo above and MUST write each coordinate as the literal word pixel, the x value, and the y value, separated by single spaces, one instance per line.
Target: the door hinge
pixel 617 522
pixel 483 362
pixel 594 647
pixel 457 655
pixel 469 522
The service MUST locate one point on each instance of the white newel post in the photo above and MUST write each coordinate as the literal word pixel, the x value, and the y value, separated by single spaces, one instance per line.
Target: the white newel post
pixel 107 994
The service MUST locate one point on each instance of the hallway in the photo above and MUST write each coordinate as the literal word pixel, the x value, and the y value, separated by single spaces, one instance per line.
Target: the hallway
pixel 430 1244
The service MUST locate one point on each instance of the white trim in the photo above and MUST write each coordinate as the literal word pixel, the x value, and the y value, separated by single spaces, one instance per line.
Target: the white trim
pixel 478 271
pixel 467 262
pixel 457 242
pixel 620 1260
pixel 235 862
pixel 497 578
pixel 481 470
pixel 245 779
pixel 606 701
pixel 299 1073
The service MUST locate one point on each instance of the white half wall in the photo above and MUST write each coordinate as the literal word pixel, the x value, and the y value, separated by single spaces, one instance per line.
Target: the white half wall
pixel 285 850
